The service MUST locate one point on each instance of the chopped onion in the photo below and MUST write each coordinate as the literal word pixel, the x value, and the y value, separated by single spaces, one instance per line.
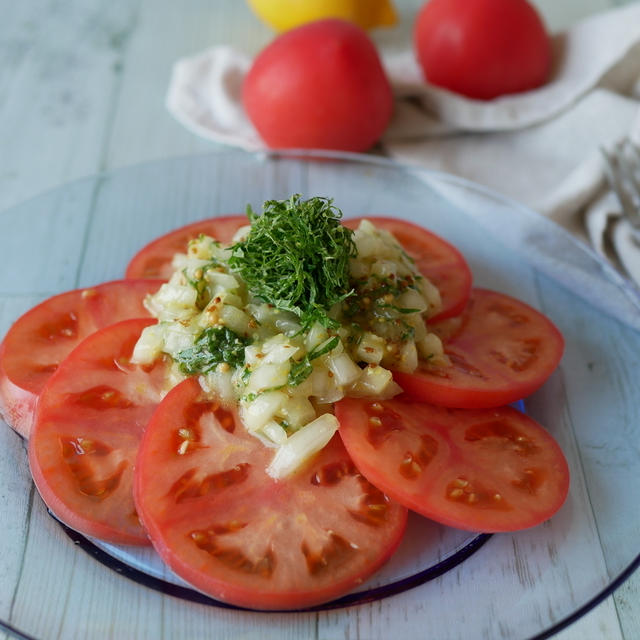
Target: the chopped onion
pixel 303 444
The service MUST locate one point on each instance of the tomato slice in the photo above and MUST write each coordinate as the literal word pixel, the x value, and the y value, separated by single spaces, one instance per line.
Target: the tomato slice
pixel 86 432
pixel 226 527
pixel 501 350
pixel 477 469
pixel 435 258
pixel 154 259
pixel 39 340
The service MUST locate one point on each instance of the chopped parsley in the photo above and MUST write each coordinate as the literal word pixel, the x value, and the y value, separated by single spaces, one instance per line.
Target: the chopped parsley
pixel 212 347
pixel 296 257
pixel 302 369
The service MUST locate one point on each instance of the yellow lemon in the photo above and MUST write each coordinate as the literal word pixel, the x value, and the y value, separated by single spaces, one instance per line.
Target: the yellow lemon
pixel 286 14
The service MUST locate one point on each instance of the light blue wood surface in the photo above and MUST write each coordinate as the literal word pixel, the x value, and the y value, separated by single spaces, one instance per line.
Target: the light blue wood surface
pixel 82 87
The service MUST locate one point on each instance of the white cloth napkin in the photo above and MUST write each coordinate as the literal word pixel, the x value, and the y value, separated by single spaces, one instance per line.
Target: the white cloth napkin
pixel 540 148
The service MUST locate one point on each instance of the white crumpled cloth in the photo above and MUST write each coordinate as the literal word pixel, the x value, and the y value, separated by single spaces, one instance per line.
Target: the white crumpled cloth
pixel 540 148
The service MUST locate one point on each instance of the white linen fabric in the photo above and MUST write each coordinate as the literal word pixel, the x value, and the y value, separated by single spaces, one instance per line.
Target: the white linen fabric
pixel 540 148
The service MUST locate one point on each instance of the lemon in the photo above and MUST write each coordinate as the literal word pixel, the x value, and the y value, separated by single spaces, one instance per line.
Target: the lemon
pixel 286 14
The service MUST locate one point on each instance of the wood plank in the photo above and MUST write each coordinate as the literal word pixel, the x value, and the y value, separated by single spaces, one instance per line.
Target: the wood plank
pixel 607 430
pixel 53 266
pixel 627 600
pixel 17 494
pixel 143 128
pixel 60 67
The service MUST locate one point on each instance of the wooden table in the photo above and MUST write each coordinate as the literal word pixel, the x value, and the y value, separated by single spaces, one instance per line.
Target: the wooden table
pixel 82 86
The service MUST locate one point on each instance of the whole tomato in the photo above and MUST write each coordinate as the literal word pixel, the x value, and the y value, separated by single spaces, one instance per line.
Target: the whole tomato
pixel 320 86
pixel 482 48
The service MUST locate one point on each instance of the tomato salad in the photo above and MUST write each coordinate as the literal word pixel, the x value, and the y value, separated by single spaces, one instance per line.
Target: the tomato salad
pixel 302 384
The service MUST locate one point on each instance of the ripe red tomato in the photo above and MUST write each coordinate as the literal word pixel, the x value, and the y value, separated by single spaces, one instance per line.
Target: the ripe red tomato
pixel 501 350
pixel 482 470
pixel 320 86
pixel 154 259
pixel 435 258
pixel 226 527
pixel 40 339
pixel 87 427
pixel 482 48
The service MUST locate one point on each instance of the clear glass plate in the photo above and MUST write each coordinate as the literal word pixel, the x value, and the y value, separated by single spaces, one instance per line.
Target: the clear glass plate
pixel 455 584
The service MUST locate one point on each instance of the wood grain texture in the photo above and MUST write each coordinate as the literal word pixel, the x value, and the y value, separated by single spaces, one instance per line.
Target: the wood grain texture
pixel 61 65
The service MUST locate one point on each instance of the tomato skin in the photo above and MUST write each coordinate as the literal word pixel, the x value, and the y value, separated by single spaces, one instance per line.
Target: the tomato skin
pixel 319 86
pixel 41 338
pixel 435 258
pixel 16 403
pixel 226 527
pixel 482 48
pixel 86 431
pixel 501 350
pixel 484 470
pixel 154 259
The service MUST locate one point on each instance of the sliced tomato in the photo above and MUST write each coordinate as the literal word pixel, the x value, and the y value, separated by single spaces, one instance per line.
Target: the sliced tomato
pixel 476 469
pixel 154 259
pixel 435 258
pixel 500 350
pixel 39 340
pixel 226 527
pixel 87 428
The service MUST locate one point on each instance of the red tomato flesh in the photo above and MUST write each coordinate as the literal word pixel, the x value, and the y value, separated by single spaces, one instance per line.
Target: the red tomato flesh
pixel 501 350
pixel 86 432
pixel 154 259
pixel 435 258
pixel 229 529
pixel 39 340
pixel 482 470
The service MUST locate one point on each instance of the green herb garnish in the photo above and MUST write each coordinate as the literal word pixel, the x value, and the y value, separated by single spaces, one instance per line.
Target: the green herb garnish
pixel 394 307
pixel 213 346
pixel 299 372
pixel 408 333
pixel 296 257
pixel 302 369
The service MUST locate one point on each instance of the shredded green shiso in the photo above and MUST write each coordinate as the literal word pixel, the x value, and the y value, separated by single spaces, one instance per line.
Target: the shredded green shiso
pixel 296 257
pixel 302 369
pixel 212 347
